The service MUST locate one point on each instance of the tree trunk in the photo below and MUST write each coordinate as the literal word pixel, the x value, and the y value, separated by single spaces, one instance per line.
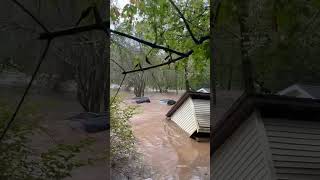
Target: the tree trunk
pixel 157 82
pixel 245 44
pixel 230 77
pixel 186 76
pixel 176 78
pixel 139 85
pixel 92 76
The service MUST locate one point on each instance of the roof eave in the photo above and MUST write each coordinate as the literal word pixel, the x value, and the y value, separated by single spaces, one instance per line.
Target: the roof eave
pixel 184 97
pixel 268 105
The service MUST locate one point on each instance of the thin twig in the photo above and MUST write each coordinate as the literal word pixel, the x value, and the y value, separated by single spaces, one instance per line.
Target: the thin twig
pixel 159 65
pixel 102 26
pixel 42 58
pixel 310 23
pixel 70 31
pixel 31 15
pixel 114 97
pixel 118 64
pixel 185 22
pixel 148 43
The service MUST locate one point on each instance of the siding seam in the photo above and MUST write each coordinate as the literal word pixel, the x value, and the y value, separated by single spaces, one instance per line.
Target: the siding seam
pixel 265 146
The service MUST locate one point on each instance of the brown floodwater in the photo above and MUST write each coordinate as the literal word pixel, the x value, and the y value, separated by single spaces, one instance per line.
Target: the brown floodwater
pixel 165 147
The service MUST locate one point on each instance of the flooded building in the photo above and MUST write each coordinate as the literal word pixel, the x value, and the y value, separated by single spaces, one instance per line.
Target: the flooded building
pixel 268 137
pixel 192 114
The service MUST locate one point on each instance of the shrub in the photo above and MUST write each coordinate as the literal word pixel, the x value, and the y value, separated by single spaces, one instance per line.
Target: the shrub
pixel 121 136
pixel 126 162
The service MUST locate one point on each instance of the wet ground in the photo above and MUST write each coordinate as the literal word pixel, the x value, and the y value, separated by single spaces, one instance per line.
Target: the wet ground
pixel 55 109
pixel 165 147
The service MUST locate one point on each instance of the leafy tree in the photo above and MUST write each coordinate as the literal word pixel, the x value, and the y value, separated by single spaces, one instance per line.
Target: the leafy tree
pixel 181 25
pixel 280 46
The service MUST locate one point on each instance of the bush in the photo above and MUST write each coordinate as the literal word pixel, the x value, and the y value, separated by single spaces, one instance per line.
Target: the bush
pixel 121 136
pixel 126 162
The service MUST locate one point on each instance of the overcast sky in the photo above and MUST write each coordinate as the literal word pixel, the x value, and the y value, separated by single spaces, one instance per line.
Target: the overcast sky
pixel 121 3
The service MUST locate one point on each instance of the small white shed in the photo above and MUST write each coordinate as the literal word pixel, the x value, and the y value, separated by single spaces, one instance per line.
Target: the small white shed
pixel 192 113
pixel 302 91
pixel 204 90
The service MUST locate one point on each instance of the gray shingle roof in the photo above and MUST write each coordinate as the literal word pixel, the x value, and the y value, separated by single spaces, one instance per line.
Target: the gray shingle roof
pixel 224 101
pixel 313 90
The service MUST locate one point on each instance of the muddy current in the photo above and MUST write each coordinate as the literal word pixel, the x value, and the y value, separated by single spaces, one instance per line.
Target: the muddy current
pixel 167 148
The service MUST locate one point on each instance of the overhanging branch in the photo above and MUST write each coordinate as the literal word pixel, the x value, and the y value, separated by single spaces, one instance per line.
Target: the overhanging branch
pixel 148 43
pixel 184 21
pixel 101 26
pixel 31 15
pixel 159 65
pixel 202 39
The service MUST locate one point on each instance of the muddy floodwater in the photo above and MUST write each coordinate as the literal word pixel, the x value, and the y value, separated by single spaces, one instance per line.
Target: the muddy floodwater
pixel 165 147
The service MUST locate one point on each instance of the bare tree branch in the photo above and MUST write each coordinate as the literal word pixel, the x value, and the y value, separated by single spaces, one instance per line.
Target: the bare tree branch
pixel 75 30
pixel 42 58
pixel 31 15
pixel 71 31
pixel 202 39
pixel 159 65
pixel 217 6
pixel 118 64
pixel 231 32
pixel 312 20
pixel 148 43
pixel 185 22
pixel 114 97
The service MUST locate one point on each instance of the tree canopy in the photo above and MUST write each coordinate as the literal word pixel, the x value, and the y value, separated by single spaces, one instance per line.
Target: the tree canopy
pixel 182 26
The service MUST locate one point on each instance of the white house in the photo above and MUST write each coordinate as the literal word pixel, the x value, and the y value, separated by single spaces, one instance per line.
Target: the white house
pixel 192 113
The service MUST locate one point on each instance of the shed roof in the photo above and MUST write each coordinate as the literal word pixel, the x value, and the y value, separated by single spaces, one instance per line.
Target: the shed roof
pixel 224 100
pixel 268 106
pixel 184 97
pixel 206 90
pixel 312 91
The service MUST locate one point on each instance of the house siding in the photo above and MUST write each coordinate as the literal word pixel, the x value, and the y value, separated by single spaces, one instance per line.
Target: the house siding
pixel 202 113
pixel 185 118
pixel 242 156
pixel 295 148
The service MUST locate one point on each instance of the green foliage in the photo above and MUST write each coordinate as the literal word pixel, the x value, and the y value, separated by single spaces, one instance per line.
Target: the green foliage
pixel 59 161
pixel 159 22
pixel 122 139
pixel 19 160
pixel 126 161
pixel 15 162
pixel 284 42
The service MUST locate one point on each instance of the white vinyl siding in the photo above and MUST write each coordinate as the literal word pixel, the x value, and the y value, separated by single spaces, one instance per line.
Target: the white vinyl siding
pixel 242 156
pixel 295 148
pixel 185 117
pixel 202 112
